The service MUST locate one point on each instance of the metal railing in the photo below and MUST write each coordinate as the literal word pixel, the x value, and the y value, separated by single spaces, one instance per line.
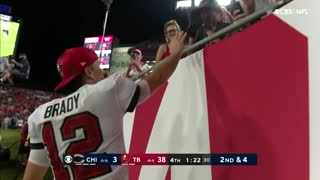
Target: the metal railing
pixel 236 25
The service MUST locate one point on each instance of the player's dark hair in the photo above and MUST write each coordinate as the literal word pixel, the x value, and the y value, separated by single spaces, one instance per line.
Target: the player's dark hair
pixel 73 85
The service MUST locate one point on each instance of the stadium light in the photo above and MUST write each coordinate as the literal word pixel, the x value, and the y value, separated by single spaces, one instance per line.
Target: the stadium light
pixel 224 2
pixel 188 3
pixel 197 2
pixel 184 4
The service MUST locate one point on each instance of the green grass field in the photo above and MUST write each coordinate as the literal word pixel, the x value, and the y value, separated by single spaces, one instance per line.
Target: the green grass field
pixel 10 170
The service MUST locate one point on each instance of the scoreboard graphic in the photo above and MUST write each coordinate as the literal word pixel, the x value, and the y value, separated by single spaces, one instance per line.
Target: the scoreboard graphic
pixel 9 31
pixel 102 46
pixel 161 159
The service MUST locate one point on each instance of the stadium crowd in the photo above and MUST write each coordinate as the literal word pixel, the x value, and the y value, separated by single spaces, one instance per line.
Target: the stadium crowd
pixel 17 104
pixel 14 69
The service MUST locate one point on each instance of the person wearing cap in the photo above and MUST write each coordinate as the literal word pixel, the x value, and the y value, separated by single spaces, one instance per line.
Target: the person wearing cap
pixel 136 66
pixel 89 118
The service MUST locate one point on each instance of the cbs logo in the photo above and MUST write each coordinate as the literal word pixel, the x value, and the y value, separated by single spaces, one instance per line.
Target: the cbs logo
pixel 68 159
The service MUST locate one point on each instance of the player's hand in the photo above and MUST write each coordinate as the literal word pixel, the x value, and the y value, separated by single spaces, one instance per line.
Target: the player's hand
pixel 130 67
pixel 177 44
pixel 127 74
pixel 131 63
pixel 236 12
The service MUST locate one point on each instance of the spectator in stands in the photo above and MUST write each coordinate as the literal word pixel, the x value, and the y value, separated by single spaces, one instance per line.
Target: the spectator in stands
pixel 5 64
pixel 6 122
pixel 213 18
pixel 235 7
pixel 171 29
pixel 136 66
pixel 241 8
pixel 13 123
pixel 20 71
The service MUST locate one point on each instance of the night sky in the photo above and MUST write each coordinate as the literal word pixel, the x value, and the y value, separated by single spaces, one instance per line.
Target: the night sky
pixel 49 27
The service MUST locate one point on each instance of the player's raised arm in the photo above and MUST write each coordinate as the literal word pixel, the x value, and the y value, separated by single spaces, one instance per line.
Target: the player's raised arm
pixel 129 94
pixel 166 69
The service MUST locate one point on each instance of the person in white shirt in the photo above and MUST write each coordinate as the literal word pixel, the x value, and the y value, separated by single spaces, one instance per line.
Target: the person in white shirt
pixel 136 66
pixel 5 64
